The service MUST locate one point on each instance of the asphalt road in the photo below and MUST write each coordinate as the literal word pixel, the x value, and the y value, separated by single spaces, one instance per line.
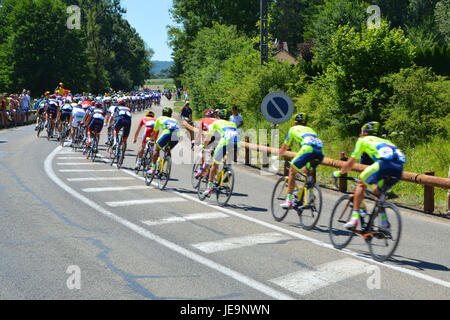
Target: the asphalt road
pixel 73 229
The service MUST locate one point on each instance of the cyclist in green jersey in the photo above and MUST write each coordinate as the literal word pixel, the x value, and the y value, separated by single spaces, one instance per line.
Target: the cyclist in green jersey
pixel 309 156
pixel 170 135
pixel 388 162
pixel 229 140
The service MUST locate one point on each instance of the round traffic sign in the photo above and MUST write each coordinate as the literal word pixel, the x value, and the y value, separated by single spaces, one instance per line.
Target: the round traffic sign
pixel 277 107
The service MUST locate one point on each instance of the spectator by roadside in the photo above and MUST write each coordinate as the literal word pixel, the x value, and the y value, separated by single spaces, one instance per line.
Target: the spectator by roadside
pixel 236 118
pixel 186 115
pixel 26 104
pixel 14 109
pixel 3 114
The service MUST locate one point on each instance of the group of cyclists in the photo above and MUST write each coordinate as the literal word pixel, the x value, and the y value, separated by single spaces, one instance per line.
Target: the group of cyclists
pixel 115 110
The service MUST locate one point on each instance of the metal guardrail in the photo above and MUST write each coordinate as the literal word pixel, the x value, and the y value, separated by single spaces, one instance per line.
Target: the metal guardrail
pixel 427 179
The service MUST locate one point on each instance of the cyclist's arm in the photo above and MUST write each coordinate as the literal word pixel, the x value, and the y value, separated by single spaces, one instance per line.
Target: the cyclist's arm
pixel 137 132
pixel 283 151
pixel 348 166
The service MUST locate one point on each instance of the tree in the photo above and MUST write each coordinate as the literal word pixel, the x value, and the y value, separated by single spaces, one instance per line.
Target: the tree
pixel 358 61
pixel 442 17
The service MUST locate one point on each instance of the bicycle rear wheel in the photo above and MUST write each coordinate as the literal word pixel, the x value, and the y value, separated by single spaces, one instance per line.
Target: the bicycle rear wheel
pixel 225 191
pixel 311 211
pixel 342 212
pixel 164 175
pixel 195 181
pixel 384 241
pixel 147 161
pixel 279 195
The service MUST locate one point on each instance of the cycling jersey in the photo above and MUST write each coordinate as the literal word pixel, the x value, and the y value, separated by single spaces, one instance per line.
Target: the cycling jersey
pixel 78 116
pixel 122 111
pixel 170 132
pixel 377 149
pixel 311 153
pixel 303 136
pixel 229 135
pixel 206 123
pixel 149 124
pixel 388 161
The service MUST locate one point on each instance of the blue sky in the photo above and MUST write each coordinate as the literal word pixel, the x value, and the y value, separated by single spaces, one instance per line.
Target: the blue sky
pixel 150 18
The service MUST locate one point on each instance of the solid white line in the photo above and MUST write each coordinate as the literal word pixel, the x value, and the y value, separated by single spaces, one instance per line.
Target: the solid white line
pixel 306 238
pixel 115 189
pixel 239 242
pixel 71 158
pixel 305 282
pixel 172 246
pixel 78 163
pixel 195 216
pixel 127 203
pixel 99 179
pixel 87 170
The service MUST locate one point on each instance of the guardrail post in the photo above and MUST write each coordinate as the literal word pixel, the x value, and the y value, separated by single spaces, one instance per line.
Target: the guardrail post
pixel 342 180
pixel 428 195
pixel 247 152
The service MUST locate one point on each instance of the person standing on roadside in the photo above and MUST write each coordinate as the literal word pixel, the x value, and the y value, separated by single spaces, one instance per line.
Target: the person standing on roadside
pixel 3 114
pixel 186 115
pixel 237 118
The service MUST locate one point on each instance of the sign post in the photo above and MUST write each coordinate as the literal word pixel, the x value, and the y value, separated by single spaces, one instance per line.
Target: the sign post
pixel 277 108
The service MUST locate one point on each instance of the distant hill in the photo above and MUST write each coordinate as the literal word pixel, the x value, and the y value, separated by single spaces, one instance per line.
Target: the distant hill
pixel 161 65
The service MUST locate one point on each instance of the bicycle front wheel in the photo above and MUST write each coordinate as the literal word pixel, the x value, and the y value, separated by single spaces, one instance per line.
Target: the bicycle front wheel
pixel 279 196
pixel 386 237
pixel 195 181
pixel 342 212
pixel 312 207
pixel 224 191
pixel 203 185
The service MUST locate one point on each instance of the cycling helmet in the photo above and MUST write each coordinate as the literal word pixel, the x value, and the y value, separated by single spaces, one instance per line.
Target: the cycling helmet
pixel 210 113
pixel 301 119
pixel 167 112
pixel 122 102
pixel 68 101
pixel 98 105
pixel 372 128
pixel 220 113
pixel 150 114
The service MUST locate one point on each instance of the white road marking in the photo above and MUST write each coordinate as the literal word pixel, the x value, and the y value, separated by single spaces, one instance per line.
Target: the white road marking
pixel 240 242
pixel 127 203
pixel 78 164
pixel 99 179
pixel 305 282
pixel 71 158
pixel 115 189
pixel 190 217
pixel 256 285
pixel 306 238
pixel 86 170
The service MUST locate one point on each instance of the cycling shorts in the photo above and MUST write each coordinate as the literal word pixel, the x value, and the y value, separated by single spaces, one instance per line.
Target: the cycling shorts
pixel 52 111
pixel 309 157
pixel 96 125
pixel 168 138
pixel 125 123
pixel 65 116
pixel 148 134
pixel 223 147
pixel 377 172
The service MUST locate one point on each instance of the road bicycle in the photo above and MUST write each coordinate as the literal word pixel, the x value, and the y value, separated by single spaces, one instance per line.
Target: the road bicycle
pixel 194 179
pixel 382 240
pixel 92 150
pixel 223 183
pixel 163 169
pixel 65 132
pixel 40 126
pixel 50 129
pixel 307 200
pixel 146 161
pixel 78 137
pixel 117 153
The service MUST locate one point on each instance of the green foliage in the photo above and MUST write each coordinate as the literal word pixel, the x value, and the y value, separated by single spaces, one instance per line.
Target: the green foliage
pixel 38 50
pixel 437 57
pixel 358 61
pixel 419 107
pixel 442 17
pixel 326 20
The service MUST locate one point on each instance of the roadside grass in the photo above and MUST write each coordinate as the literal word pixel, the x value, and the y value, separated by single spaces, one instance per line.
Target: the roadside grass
pixel 160 83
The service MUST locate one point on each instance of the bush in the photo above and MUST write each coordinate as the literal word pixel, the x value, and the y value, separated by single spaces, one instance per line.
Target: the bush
pixel 419 107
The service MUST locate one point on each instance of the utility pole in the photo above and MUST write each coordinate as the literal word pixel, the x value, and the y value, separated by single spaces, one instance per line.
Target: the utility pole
pixel 264 32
